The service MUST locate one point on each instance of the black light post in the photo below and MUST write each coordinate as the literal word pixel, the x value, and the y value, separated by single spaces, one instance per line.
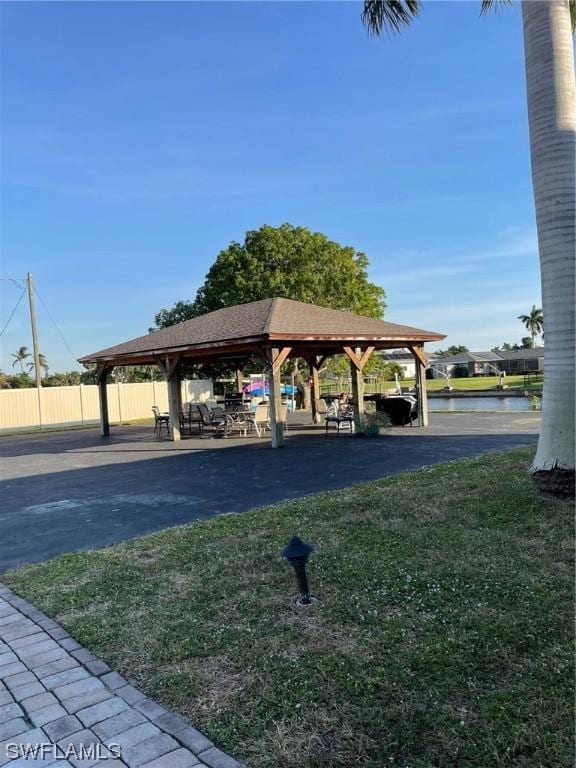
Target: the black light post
pixel 297 552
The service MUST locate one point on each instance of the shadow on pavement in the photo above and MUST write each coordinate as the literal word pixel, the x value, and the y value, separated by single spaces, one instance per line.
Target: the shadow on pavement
pixel 64 506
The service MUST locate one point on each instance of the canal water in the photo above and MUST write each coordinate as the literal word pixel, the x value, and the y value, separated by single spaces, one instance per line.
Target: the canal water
pixel 479 403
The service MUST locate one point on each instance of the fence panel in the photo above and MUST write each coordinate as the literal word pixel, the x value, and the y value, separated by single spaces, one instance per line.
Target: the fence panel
pixel 60 405
pixel 137 399
pixel 19 408
pixel 90 403
pixel 75 406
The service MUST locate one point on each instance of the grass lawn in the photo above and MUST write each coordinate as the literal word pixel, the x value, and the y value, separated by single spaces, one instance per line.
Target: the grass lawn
pixel 477 383
pixel 443 634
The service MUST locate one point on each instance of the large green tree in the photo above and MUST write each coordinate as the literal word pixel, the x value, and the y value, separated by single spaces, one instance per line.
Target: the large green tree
pixel 551 98
pixel 286 261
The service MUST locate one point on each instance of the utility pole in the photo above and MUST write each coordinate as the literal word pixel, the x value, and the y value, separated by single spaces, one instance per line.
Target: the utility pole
pixel 34 330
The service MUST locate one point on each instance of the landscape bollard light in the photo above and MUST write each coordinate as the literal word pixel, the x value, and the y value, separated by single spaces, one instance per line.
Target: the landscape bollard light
pixel 297 552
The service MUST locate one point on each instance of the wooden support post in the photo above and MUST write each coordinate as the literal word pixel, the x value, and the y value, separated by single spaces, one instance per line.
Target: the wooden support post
pixel 239 379
pixel 420 360
pixel 174 405
pixel 101 376
pixel 170 367
pixel 315 364
pixel 358 359
pixel 276 413
pixel 314 371
pixel 357 393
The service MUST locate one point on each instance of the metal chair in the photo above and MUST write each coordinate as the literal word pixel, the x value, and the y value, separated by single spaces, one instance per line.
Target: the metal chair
pixel 185 417
pixel 159 420
pixel 332 415
pixel 214 420
pixel 237 421
pixel 195 417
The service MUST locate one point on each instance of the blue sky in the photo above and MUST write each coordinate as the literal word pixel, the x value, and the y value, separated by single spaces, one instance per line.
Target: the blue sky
pixel 139 139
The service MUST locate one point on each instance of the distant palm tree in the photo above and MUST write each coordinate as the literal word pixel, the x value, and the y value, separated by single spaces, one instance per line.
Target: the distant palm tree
pixel 550 87
pixel 20 356
pixel 43 364
pixel 534 322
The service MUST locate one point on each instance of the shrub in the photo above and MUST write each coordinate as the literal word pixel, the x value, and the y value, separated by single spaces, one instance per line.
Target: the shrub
pixel 373 423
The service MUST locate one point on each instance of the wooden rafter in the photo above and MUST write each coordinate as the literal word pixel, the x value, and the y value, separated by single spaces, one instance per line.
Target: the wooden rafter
pixel 366 356
pixel 169 365
pixel 280 358
pixel 352 355
pixel 206 354
pixel 102 371
pixel 359 361
pixel 418 352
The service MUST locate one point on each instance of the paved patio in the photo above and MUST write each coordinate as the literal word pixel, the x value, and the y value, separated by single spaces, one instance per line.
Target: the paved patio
pixel 57 697
pixel 69 490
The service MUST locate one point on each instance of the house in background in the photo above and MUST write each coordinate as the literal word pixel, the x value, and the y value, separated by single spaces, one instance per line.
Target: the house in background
pixel 489 363
pixel 475 363
pixel 405 359
pixel 522 360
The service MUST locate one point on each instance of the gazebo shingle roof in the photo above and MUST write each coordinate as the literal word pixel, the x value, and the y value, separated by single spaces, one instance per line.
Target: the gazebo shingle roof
pixel 262 321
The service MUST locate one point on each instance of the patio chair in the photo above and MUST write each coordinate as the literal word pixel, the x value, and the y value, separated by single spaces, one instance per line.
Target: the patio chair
pixel 213 420
pixel 332 415
pixel 159 420
pixel 195 417
pixel 185 417
pixel 260 419
pixel 237 421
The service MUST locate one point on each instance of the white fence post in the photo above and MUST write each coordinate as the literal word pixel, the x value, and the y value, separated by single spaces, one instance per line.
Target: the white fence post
pixel 81 403
pixel 118 385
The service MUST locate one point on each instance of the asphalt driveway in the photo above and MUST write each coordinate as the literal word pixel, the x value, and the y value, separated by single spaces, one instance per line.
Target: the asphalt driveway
pixel 70 490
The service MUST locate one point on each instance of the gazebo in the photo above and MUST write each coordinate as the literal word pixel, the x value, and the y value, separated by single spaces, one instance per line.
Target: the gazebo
pixel 271 330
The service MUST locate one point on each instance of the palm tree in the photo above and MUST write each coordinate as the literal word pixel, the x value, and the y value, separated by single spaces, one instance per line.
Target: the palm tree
pixel 534 322
pixel 42 362
pixel 20 356
pixel 551 97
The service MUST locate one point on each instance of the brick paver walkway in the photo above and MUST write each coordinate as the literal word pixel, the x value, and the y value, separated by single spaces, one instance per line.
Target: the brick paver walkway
pixel 54 692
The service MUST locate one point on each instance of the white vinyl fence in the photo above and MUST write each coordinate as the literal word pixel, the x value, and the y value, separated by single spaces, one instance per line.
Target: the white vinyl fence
pixel 48 407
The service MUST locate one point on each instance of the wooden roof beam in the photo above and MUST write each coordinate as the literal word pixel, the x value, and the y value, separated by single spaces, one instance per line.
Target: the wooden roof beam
pixel 280 358
pixel 169 365
pixel 418 352
pixel 359 361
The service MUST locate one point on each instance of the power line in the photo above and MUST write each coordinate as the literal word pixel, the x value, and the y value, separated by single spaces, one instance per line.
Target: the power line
pixel 23 291
pixel 75 357
pixel 18 282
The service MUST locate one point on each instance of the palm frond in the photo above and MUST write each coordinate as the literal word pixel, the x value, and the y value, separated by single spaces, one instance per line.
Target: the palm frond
pixel 390 15
pixel 488 5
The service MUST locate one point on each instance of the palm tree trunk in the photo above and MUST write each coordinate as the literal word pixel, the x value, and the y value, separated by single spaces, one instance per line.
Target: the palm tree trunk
pixel 551 94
